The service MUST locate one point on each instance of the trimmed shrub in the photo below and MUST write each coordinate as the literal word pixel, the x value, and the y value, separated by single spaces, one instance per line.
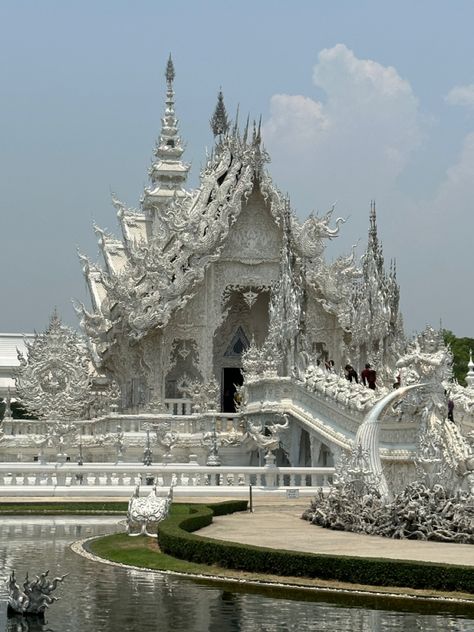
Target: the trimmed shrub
pixel 175 538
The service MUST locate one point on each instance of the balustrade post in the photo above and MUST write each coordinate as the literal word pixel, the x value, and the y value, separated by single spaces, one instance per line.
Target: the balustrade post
pixel 60 476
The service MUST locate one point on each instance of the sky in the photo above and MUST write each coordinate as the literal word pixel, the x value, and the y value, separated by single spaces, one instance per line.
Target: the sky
pixel 359 101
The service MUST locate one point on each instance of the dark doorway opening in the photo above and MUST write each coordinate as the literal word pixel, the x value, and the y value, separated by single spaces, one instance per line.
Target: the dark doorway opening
pixel 231 377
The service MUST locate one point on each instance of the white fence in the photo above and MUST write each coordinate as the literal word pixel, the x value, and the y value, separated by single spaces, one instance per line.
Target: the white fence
pixel 99 479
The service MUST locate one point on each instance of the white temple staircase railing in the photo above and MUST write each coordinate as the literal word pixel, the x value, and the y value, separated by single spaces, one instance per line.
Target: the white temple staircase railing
pixel 325 416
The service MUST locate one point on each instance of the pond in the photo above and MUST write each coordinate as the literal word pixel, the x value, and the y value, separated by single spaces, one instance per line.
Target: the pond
pixel 101 598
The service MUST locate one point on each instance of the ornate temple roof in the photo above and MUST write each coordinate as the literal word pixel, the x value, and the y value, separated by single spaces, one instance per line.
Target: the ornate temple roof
pixel 170 242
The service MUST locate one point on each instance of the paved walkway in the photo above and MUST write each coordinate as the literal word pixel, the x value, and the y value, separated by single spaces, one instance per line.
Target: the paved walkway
pixel 281 527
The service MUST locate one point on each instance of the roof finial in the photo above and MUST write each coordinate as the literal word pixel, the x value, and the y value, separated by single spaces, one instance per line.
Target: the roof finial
pixel 236 124
pixel 219 121
pixel 373 216
pixel 470 372
pixel 170 70
pixel 373 226
pixel 258 138
pixel 246 130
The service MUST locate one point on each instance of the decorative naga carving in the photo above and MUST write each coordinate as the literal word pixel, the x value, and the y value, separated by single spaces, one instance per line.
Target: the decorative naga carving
pixel 53 380
pixel 310 236
pixel 267 437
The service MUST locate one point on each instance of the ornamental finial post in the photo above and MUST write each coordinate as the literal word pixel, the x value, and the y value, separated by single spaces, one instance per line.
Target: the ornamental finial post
pixel 170 74
pixel 470 373
pixel 373 218
pixel 219 121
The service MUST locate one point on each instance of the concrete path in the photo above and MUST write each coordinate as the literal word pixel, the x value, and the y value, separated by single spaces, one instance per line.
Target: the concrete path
pixel 281 527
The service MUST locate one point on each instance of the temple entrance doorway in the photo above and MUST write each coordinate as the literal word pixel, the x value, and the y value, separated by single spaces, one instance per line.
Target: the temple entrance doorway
pixel 231 377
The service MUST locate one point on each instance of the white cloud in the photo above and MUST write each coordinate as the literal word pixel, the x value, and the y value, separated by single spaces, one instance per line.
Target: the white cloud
pixel 308 121
pixel 461 95
pixel 353 144
pixel 454 198
pixel 357 139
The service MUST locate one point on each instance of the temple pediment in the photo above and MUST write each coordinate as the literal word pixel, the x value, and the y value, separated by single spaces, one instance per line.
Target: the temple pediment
pixel 254 237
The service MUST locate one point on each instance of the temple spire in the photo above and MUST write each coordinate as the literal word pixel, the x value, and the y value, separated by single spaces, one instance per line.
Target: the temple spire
pixel 167 170
pixel 372 223
pixel 373 258
pixel 219 121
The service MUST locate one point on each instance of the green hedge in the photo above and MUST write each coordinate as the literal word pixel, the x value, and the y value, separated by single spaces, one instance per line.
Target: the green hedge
pixel 62 507
pixel 175 538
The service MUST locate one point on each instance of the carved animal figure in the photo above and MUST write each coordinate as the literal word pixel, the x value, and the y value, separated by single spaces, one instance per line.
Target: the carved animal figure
pixel 147 511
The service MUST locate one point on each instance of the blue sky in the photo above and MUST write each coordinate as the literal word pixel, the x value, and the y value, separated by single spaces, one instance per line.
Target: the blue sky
pixel 359 100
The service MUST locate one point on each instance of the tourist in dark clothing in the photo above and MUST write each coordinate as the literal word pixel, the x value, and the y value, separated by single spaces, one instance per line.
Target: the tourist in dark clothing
pixel 369 377
pixel 351 373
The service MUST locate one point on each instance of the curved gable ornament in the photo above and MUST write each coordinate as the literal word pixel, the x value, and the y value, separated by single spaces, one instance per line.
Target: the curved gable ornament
pixel 52 381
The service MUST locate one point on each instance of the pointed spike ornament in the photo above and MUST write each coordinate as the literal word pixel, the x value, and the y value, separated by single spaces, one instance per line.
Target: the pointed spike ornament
pixel 246 130
pixel 373 219
pixel 169 74
pixel 219 121
pixel 236 124
pixel 258 137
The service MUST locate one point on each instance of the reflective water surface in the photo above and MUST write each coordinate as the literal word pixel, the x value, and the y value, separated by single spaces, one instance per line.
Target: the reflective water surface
pixel 101 598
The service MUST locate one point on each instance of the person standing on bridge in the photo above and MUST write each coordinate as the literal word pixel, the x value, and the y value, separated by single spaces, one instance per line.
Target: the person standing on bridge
pixel 369 377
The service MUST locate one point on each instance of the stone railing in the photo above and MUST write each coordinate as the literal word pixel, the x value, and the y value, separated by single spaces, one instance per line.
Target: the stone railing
pixel 179 406
pixel 21 479
pixel 185 423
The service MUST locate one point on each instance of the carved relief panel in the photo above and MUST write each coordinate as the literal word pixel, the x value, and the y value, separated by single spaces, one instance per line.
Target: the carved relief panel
pixel 254 237
pixel 183 365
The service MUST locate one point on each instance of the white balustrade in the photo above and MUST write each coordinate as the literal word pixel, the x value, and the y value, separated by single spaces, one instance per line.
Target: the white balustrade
pixel 117 479
pixel 179 406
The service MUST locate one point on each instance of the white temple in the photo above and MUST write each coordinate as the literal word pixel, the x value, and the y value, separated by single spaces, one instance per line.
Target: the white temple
pixel 216 310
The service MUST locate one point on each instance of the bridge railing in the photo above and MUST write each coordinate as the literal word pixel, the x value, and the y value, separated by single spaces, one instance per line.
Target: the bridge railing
pixel 19 477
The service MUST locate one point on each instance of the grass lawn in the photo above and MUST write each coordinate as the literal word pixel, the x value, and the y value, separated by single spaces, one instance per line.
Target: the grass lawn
pixel 143 552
